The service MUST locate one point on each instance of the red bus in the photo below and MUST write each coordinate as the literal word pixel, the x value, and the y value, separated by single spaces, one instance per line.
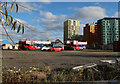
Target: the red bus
pixel 75 45
pixel 29 44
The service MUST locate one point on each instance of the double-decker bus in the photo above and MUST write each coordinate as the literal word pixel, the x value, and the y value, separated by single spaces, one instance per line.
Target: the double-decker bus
pixel 75 45
pixel 29 44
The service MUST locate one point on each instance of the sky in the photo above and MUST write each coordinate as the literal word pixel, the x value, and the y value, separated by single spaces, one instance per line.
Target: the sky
pixel 48 18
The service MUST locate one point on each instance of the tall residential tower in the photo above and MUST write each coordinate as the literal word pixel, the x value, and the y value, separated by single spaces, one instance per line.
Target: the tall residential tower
pixel 110 30
pixel 71 28
pixel 104 32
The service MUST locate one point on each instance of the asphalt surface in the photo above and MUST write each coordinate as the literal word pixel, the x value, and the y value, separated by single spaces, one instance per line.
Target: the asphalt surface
pixel 54 59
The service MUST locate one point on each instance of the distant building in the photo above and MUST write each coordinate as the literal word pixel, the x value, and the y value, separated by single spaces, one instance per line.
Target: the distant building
pixel 103 33
pixel 97 34
pixel 77 37
pixel 71 27
pixel 110 30
pixel 116 46
pixel 89 32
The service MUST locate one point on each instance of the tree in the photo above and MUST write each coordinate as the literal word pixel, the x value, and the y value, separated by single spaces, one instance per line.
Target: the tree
pixel 8 20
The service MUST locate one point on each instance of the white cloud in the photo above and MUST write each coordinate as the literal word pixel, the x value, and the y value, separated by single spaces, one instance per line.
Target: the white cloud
pixel 117 14
pixel 51 16
pixel 63 17
pixel 45 1
pixel 89 13
pixel 48 15
pixel 52 22
pixel 97 3
pixel 51 25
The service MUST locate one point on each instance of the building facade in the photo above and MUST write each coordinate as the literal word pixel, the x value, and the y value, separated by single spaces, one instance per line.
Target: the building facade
pixel 89 33
pixel 71 27
pixel 110 30
pixel 103 33
pixel 77 37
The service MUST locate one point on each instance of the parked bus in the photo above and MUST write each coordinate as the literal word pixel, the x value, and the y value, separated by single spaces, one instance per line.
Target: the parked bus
pixel 29 44
pixel 75 45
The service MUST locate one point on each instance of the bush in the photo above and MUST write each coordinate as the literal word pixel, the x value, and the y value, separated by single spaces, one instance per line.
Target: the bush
pixel 46 74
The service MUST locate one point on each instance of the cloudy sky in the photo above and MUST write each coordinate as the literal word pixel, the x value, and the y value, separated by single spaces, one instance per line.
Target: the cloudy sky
pixel 48 18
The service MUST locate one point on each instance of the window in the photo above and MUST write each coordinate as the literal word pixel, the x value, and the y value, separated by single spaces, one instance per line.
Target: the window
pixel 74 23
pixel 26 44
pixel 3 45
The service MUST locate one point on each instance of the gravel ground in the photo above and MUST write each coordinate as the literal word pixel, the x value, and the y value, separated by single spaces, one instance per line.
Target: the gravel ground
pixel 54 59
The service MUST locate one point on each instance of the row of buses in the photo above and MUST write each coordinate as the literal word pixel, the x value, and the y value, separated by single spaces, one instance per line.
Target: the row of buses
pixel 29 44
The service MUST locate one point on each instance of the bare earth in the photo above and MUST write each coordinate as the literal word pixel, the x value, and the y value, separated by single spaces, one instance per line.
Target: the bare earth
pixel 54 59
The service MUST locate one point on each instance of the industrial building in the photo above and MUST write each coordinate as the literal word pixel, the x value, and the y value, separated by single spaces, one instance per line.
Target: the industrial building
pixel 71 27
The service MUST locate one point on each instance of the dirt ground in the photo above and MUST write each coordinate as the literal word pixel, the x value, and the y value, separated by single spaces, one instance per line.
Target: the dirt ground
pixel 54 59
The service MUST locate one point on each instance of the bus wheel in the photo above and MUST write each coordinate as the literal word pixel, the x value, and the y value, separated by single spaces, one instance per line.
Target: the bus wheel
pixel 8 48
pixel 53 50
pixel 27 49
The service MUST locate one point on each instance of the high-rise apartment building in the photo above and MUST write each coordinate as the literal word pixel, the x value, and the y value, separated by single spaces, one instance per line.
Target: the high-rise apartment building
pixel 104 32
pixel 89 31
pixel 71 28
pixel 110 30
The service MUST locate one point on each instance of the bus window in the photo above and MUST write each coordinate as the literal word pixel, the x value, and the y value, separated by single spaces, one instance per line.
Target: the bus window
pixel 27 45
pixel 3 45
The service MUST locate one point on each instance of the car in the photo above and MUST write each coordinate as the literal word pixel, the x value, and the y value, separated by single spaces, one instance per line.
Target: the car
pixel 56 48
pixel 45 48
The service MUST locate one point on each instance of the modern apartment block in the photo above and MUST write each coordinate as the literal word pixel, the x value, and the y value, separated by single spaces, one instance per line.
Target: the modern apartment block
pixel 77 37
pixel 71 28
pixel 89 31
pixel 104 32
pixel 110 30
